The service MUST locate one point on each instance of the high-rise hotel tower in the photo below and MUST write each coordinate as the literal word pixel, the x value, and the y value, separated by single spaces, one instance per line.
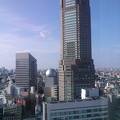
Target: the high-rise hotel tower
pixel 76 69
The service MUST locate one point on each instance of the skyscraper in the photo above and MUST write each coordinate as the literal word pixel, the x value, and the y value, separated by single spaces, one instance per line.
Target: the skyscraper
pixel 26 70
pixel 76 69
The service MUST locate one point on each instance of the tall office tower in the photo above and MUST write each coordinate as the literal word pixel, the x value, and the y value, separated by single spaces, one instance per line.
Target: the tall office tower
pixel 76 68
pixel 26 70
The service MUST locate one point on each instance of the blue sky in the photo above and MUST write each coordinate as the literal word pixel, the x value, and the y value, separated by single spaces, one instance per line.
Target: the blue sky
pixel 34 26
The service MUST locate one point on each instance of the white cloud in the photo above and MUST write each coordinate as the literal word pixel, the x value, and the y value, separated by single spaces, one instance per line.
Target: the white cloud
pixel 42 35
pixel 19 23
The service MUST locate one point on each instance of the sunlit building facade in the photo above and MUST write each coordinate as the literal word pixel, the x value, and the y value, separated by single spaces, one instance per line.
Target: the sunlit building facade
pixel 79 110
pixel 76 69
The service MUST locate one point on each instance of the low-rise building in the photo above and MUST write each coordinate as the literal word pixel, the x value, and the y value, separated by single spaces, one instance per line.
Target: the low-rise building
pixel 12 113
pixel 114 107
pixel 88 109
pixel 1 112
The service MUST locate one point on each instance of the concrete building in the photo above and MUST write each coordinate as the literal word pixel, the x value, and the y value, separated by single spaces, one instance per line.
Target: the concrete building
pixel 1 112
pixel 78 110
pixel 26 70
pixel 114 107
pixel 11 89
pixel 51 84
pixel 12 113
pixel 3 99
pixel 76 69
pixel 90 93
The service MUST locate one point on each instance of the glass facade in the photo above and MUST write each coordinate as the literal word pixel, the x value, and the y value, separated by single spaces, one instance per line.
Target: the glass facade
pixel 75 50
pixel 26 70
pixel 69 29
pixel 76 29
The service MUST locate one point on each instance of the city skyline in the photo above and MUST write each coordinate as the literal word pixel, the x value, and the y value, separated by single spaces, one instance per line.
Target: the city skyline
pixel 23 28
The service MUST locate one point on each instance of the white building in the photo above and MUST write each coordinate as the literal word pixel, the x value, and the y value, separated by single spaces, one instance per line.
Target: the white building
pixel 51 84
pixel 12 89
pixel 3 99
pixel 90 93
pixel 78 110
